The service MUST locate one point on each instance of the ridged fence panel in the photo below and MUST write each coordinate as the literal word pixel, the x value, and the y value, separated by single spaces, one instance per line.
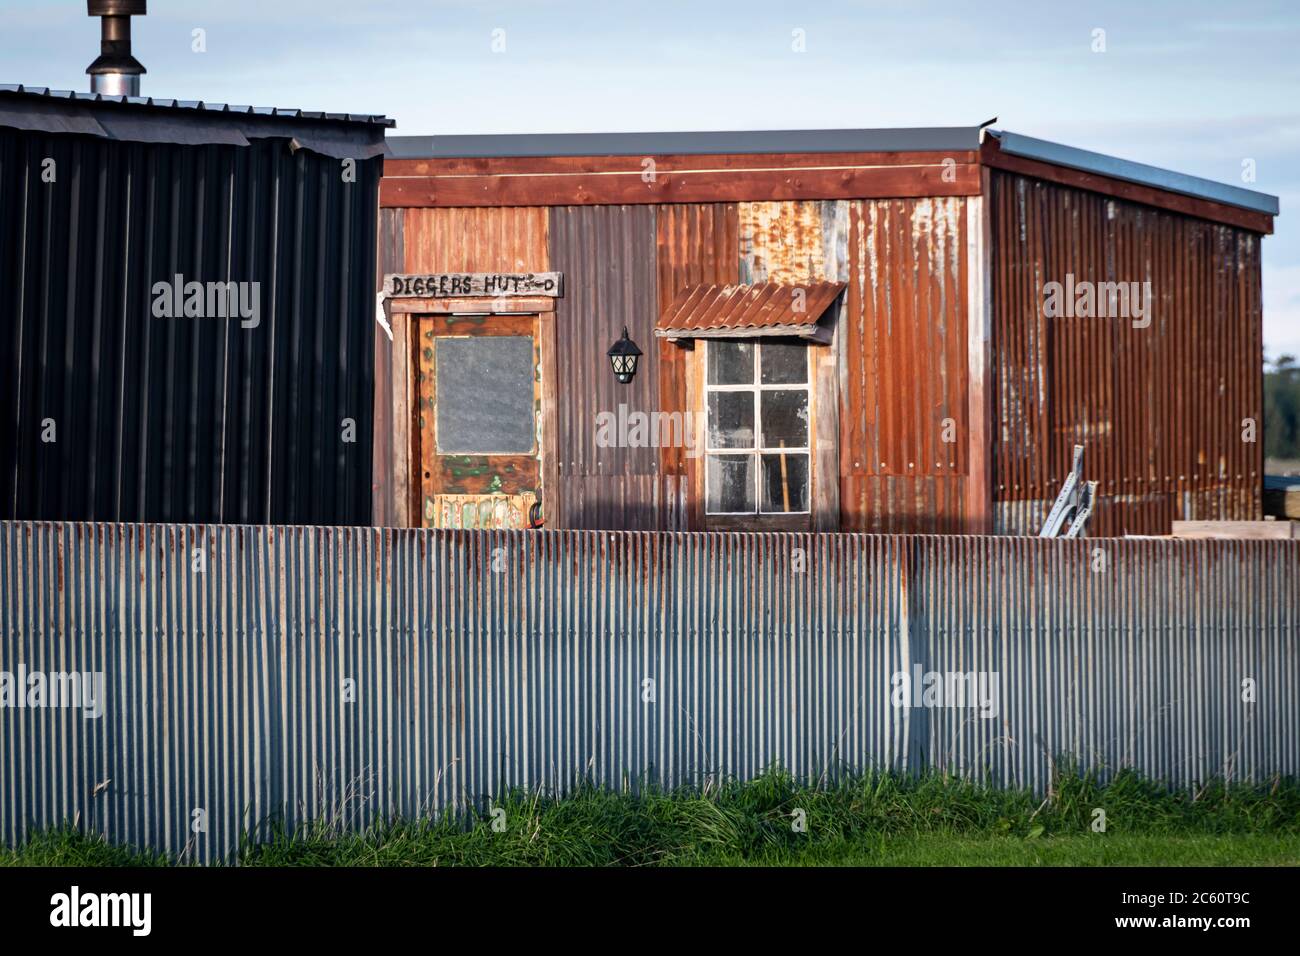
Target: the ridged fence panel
pixel 259 673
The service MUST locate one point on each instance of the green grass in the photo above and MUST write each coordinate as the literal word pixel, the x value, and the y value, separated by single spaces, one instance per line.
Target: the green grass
pixel 932 849
pixel 877 819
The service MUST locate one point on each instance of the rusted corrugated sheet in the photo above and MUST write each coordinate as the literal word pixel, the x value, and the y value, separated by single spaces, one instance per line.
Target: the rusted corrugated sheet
pixel 904 367
pixel 607 256
pixel 344 674
pixel 696 244
pixel 1159 409
pixel 482 239
pixel 717 308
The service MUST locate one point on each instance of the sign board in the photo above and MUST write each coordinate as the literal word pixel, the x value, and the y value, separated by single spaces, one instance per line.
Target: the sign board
pixel 447 285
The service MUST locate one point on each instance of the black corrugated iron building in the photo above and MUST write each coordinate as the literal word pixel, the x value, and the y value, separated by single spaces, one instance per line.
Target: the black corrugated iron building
pixel 117 405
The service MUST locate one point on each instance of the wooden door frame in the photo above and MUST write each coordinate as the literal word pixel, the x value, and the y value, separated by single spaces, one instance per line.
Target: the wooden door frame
pixel 404 320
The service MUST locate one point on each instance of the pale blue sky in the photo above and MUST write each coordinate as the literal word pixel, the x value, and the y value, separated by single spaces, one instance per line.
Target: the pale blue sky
pixel 1189 85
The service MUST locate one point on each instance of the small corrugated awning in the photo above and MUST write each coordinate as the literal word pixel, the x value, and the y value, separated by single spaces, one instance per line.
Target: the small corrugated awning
pixel 738 311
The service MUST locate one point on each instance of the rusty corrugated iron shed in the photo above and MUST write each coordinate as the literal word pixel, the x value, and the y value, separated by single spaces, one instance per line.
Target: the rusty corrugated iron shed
pixel 943 271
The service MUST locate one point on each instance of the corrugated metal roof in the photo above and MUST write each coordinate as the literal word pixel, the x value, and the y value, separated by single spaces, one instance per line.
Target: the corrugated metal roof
pixel 685 144
pixel 1105 165
pixel 704 310
pixel 196 105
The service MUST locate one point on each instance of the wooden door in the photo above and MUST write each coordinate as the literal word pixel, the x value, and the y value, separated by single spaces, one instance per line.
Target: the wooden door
pixel 479 419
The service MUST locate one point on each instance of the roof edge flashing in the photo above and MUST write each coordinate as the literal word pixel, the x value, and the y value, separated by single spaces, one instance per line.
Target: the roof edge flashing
pixel 704 143
pixel 149 120
pixel 1156 177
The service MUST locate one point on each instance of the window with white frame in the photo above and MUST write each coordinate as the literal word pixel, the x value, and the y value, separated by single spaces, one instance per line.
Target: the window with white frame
pixel 758 427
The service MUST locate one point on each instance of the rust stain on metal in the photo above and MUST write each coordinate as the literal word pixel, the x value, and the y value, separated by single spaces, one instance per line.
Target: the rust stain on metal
pixel 788 241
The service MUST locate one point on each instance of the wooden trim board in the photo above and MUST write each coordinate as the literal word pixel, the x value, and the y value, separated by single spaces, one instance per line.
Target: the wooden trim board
pixel 979 404
pixel 588 189
pixel 1254 530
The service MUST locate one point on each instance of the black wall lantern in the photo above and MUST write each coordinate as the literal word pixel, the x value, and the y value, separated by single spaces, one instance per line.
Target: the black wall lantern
pixel 622 356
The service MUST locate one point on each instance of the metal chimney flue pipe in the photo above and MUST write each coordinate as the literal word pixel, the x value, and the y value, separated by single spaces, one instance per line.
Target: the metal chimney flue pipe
pixel 115 72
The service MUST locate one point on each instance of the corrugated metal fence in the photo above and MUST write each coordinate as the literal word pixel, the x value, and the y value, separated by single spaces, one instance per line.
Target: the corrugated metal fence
pixel 343 672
